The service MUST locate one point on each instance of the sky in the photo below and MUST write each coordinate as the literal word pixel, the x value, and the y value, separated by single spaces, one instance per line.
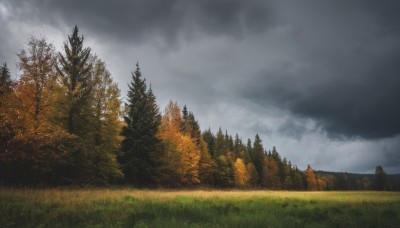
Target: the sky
pixel 319 80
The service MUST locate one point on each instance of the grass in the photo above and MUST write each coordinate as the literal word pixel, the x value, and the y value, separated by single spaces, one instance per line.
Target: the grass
pixel 163 208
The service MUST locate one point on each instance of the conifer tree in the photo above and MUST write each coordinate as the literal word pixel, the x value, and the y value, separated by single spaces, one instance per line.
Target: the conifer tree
pixel 220 145
pixel 249 149
pixel 74 68
pixel 258 155
pixel 9 118
pixel 381 182
pixel 5 80
pixel 209 138
pixel 224 172
pixel 142 121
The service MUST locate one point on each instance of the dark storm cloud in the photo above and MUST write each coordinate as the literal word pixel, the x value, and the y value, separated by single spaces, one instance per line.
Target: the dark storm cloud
pixel 345 73
pixel 143 20
pixel 292 129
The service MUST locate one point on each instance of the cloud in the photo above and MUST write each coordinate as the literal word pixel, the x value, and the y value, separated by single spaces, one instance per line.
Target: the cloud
pixel 342 73
pixel 164 22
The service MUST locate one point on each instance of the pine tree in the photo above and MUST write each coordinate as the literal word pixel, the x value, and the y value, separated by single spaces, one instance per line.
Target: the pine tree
pixel 142 122
pixel 220 146
pixel 224 172
pixel 381 182
pixel 74 68
pixel 5 80
pixel 258 155
pixel 10 120
pixel 209 138
pixel 249 150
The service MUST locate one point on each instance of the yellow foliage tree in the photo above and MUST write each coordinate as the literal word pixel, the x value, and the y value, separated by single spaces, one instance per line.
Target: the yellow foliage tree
pixel 190 157
pixel 241 175
pixel 170 169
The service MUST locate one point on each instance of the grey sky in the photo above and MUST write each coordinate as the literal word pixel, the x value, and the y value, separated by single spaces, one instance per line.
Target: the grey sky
pixel 320 80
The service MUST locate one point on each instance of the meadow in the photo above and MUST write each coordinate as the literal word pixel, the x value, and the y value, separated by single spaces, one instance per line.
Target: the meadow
pixel 125 207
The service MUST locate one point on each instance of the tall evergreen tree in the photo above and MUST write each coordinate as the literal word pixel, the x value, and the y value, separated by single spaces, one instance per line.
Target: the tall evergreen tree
pixel 5 79
pixel 220 144
pixel 10 121
pixel 74 68
pixel 209 138
pixel 142 121
pixel 258 156
pixel 381 181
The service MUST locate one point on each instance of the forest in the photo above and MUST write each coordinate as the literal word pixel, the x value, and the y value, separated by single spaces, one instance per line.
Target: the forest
pixel 62 123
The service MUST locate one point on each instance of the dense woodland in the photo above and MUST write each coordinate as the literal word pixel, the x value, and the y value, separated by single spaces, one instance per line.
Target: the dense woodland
pixel 62 122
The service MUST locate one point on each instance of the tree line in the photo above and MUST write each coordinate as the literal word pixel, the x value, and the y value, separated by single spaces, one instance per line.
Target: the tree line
pixel 63 123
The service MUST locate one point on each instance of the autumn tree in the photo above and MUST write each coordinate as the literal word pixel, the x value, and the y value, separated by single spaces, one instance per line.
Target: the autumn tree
pixel 169 160
pixel 190 157
pixel 142 121
pixel 311 180
pixel 35 142
pixel 191 127
pixel 253 175
pixel 270 174
pixel 241 175
pixel 35 88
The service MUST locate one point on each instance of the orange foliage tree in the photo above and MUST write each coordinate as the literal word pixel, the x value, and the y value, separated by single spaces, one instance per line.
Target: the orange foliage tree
pixel 312 183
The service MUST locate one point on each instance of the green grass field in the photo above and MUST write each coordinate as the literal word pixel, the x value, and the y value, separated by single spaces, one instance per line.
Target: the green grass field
pixel 161 208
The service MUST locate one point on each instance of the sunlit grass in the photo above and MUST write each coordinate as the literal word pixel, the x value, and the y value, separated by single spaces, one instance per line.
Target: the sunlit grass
pixel 167 208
